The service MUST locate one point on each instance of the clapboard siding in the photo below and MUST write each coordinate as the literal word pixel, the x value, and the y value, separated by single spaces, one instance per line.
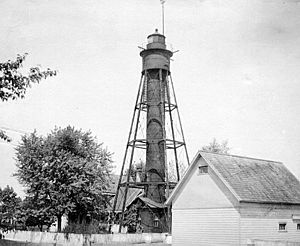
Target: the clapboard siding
pixel 267 229
pixel 261 221
pixel 205 227
pixel 268 211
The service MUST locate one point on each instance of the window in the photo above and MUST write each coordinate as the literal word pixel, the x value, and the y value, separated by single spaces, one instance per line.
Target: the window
pixel 139 219
pixel 203 169
pixel 282 226
pixel 156 221
pixel 298 227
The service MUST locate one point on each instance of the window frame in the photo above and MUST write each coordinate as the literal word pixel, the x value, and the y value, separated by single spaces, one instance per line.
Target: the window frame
pixel 285 227
pixel 202 170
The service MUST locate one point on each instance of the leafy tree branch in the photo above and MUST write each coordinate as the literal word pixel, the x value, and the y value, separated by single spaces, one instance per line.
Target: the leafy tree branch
pixel 14 84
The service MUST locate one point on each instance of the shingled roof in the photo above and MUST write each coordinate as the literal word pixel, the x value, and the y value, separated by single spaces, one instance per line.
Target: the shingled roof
pixel 255 180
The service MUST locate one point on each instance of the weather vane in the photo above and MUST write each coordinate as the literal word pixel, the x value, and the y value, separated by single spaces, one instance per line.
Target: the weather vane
pixel 163 15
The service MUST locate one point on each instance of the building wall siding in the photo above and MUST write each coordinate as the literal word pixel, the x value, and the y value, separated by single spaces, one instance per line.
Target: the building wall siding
pixel 267 229
pixel 262 222
pixel 209 227
pixel 268 211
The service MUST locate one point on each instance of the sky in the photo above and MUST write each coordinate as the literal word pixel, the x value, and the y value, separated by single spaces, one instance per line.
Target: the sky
pixel 236 75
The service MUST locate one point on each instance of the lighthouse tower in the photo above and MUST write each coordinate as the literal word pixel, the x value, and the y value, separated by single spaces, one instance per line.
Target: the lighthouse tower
pixel 156 149
pixel 156 64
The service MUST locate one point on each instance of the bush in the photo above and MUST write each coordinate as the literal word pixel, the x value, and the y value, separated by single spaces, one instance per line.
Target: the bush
pixel 95 227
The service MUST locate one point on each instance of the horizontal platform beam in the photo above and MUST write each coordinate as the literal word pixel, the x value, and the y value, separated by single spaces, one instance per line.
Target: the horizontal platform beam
pixel 142 184
pixel 144 105
pixel 142 143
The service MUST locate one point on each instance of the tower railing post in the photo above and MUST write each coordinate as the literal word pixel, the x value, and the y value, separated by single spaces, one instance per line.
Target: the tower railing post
pixel 181 129
pixel 125 155
pixel 132 153
pixel 172 129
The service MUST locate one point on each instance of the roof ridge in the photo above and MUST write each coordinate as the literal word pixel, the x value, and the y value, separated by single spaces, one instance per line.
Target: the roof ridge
pixel 239 156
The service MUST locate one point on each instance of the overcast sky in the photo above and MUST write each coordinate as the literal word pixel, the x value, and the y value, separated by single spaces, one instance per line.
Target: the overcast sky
pixel 236 76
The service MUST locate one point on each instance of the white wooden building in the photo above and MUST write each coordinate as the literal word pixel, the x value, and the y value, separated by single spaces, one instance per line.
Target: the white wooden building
pixel 230 200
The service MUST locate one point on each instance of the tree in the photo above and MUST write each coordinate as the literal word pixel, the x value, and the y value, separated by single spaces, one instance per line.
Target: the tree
pixel 172 172
pixel 64 172
pixel 9 205
pixel 32 213
pixel 216 147
pixel 13 84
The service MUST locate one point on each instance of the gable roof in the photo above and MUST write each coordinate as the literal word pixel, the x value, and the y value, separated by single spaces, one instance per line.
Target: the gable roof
pixel 151 203
pixel 251 180
pixel 132 193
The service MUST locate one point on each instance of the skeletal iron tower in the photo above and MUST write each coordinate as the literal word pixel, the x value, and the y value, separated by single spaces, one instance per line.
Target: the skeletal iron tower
pixel 155 139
